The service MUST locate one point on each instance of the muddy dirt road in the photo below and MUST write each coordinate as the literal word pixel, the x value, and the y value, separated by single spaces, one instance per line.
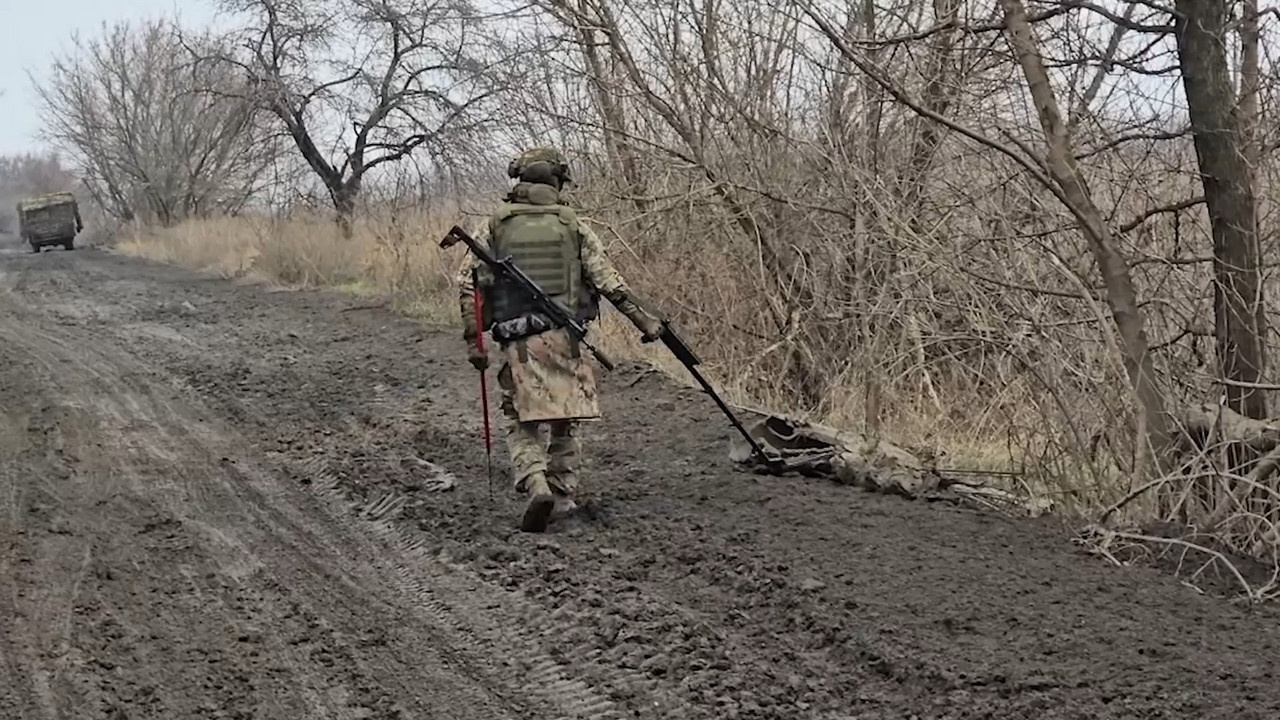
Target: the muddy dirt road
pixel 219 501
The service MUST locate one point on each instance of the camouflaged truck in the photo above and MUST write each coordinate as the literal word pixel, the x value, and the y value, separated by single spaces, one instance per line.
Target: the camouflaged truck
pixel 52 219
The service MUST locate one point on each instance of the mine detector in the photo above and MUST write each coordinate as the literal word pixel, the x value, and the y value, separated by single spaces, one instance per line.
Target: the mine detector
pixel 52 219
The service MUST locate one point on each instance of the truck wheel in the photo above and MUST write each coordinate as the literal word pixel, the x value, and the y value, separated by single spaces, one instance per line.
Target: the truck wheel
pixel 69 245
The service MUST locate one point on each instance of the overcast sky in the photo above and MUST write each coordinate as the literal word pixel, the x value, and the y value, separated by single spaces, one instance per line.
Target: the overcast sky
pixel 34 29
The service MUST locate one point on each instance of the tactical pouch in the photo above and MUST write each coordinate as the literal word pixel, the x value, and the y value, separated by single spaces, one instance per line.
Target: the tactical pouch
pixel 522 327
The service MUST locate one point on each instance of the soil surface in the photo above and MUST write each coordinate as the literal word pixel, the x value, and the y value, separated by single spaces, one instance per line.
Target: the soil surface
pixel 223 501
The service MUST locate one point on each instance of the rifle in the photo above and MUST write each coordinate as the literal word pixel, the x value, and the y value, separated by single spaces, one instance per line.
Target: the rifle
pixel 507 269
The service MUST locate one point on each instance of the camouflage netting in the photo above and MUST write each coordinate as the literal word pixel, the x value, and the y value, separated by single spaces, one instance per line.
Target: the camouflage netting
pixel 851 459
pixel 46 201
pixel 48 216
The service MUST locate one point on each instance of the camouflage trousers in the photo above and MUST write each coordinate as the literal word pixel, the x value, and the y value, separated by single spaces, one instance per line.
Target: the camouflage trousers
pixel 546 384
pixel 556 457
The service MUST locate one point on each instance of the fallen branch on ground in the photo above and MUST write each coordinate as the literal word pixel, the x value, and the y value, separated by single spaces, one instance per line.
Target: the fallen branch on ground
pixel 1101 540
pixel 1200 422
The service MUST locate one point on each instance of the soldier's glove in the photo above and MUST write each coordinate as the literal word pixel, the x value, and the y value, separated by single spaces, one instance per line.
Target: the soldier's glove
pixel 650 328
pixel 478 358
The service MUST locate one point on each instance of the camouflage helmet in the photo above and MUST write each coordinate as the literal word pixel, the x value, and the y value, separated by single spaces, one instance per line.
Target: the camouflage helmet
pixel 549 155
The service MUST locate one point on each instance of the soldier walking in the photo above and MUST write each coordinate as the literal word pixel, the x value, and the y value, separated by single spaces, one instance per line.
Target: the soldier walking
pixel 545 378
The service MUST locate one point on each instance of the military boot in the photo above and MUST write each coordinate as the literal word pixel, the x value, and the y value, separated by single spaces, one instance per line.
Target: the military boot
pixel 541 502
pixel 563 508
pixel 562 487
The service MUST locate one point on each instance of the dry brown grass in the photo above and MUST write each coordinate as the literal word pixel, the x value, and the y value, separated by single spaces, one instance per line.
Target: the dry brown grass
pixel 395 258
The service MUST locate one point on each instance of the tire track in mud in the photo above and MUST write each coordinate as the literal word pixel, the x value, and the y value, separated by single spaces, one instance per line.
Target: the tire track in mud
pixel 485 627
pixel 582 683
pixel 126 409
pixel 38 618
pixel 577 631
pixel 488 627
pixel 487 621
pixel 128 434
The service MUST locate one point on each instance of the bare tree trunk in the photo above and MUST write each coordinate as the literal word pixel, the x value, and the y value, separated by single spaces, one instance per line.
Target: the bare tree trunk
pixel 869 215
pixel 1249 86
pixel 1220 139
pixel 1121 296
pixel 621 152
pixel 1250 120
pixel 857 141
pixel 1080 109
pixel 344 203
pixel 938 94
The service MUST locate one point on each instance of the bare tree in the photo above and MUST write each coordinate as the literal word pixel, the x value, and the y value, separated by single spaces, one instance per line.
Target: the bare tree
pixel 1222 131
pixel 132 111
pixel 1073 191
pixel 403 82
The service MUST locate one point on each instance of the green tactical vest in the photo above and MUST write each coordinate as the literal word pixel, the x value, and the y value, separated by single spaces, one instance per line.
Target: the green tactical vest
pixel 541 236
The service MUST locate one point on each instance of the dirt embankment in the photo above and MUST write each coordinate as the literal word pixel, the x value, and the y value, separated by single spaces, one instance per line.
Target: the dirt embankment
pixel 223 502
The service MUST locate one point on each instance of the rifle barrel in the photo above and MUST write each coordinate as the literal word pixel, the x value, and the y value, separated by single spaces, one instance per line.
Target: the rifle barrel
pixel 737 424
